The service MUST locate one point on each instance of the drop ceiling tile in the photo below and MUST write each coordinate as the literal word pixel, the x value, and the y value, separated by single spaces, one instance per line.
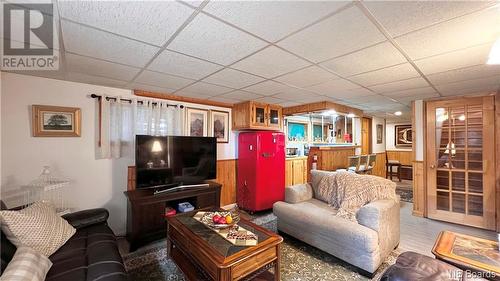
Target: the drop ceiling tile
pixel 162 80
pixel 411 92
pixel 470 86
pixel 298 95
pixel 463 74
pixel 372 58
pixel 462 58
pixel 452 35
pixel 332 87
pixel 362 101
pixel 144 87
pixel 289 103
pixel 233 78
pixel 271 20
pixel 267 88
pixel 307 77
pixel 342 33
pixel 386 75
pixel 225 100
pixel 400 17
pixel 148 21
pixel 311 99
pixel 201 89
pixel 215 41
pixel 94 80
pixel 270 62
pixel 401 85
pixel 241 95
pixel 95 67
pixel 181 65
pixel 93 43
pixel 350 93
pixel 409 99
pixel 270 100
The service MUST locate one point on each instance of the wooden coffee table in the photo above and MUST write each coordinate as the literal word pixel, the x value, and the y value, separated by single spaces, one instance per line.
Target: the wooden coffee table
pixel 202 254
pixel 468 252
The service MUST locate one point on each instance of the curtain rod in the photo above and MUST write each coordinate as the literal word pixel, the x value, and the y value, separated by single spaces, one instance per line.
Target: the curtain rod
pixel 94 96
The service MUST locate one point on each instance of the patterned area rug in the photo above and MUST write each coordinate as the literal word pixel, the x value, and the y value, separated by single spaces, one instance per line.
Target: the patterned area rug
pixel 299 261
pixel 405 190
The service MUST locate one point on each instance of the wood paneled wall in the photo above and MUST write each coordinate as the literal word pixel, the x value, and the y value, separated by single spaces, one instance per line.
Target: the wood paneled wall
pixel 226 175
pixel 329 158
pixel 405 157
pixel 379 168
pixel 418 189
pixel 497 129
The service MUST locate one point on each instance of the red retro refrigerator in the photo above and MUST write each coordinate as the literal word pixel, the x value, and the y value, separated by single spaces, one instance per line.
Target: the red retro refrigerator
pixel 261 170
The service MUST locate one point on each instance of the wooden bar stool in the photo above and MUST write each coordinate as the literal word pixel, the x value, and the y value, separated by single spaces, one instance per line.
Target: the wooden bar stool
pixel 389 164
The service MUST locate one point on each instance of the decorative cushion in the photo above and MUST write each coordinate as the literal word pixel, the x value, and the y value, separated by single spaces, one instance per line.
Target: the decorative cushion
pixel 26 265
pixel 37 226
pixel 323 184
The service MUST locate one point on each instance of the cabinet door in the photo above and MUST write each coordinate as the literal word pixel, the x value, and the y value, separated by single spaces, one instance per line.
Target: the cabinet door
pixel 298 172
pixel 288 173
pixel 274 116
pixel 259 114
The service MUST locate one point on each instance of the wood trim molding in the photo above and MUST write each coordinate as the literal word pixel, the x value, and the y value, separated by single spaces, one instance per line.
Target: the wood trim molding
pixel 497 141
pixel 168 96
pixel 322 105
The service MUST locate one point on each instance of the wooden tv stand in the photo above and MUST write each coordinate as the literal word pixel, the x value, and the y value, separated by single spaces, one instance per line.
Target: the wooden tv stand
pixel 146 211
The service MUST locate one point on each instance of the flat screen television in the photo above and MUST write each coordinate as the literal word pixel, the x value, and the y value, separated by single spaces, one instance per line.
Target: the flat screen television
pixel 171 161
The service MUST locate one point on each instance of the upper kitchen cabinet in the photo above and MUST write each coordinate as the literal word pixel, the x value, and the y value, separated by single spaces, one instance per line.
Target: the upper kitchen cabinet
pixel 252 115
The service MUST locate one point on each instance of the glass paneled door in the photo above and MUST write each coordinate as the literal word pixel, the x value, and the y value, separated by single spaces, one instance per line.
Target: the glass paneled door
pixel 460 161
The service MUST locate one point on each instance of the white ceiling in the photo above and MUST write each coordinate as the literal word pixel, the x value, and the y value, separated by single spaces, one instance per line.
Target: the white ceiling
pixel 374 55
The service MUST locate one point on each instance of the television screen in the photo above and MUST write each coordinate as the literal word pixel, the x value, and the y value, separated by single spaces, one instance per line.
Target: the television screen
pixel 174 160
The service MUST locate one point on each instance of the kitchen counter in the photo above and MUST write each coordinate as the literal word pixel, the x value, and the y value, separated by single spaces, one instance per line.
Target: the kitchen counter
pixel 296 157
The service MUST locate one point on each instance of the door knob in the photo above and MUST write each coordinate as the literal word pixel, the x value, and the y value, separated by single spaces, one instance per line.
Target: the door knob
pixel 433 166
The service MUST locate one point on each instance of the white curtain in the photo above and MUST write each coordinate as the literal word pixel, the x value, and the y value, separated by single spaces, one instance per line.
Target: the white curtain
pixel 120 121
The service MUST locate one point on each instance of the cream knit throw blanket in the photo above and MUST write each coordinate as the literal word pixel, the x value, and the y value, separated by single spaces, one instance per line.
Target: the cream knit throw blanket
pixel 349 191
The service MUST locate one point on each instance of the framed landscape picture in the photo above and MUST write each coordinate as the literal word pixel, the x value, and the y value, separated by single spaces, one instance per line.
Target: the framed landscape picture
pixel 56 121
pixel 220 125
pixel 403 135
pixel 196 122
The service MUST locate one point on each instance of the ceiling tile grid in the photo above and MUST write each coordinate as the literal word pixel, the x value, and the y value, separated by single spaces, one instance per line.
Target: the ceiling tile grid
pixel 407 84
pixel 270 62
pixel 153 22
pixel 162 80
pixel 347 31
pixel 203 90
pixel 95 67
pixel 307 77
pixel 215 41
pixel 90 42
pixel 241 95
pixel 181 65
pixel 386 75
pixel 272 20
pixel 267 88
pixel 233 78
pixel 372 58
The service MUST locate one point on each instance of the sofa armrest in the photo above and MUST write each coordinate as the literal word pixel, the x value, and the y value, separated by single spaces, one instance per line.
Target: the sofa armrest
pixel 298 193
pixel 383 217
pixel 87 217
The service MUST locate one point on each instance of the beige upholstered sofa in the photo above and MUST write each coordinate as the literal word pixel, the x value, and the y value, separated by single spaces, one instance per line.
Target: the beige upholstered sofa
pixel 365 244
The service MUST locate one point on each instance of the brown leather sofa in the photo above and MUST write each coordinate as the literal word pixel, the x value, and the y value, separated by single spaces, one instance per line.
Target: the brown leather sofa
pixel 90 254
pixel 411 266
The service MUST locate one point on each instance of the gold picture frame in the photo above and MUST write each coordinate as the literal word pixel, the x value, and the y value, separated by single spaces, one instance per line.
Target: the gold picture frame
pixel 56 121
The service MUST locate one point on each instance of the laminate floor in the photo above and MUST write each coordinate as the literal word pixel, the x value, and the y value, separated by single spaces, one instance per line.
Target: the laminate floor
pixel 419 234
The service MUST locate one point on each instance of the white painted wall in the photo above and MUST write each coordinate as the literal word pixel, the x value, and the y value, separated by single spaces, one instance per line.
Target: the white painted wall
pixel 377 148
pixel 390 136
pixel 95 183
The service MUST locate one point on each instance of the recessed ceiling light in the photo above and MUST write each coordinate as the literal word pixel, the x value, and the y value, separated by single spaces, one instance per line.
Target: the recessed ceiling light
pixel 329 113
pixel 494 57
pixel 398 113
pixel 351 115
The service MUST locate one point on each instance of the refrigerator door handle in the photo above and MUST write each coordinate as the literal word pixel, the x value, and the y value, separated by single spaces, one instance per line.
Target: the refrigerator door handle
pixel 267 155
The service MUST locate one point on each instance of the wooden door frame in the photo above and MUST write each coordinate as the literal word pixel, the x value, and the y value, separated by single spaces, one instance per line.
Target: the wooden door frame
pixel 497 170
pixel 487 119
pixel 370 137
